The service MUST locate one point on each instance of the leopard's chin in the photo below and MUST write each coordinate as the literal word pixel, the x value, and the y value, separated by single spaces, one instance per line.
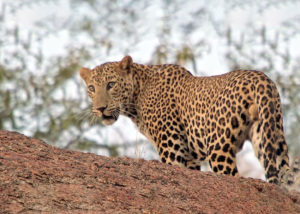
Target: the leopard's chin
pixel 108 122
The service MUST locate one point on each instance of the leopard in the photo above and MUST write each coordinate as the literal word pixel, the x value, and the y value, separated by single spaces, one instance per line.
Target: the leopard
pixel 191 119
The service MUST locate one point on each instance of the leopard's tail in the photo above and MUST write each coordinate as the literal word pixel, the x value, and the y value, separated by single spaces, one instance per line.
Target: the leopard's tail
pixel 289 175
pixel 267 132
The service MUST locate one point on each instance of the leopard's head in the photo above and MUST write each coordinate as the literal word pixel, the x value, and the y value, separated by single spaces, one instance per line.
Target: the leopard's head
pixel 110 86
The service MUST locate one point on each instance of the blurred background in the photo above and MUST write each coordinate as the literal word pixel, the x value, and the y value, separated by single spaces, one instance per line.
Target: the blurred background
pixel 43 43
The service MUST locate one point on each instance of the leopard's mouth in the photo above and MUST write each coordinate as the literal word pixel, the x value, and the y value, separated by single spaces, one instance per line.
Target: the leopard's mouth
pixel 107 117
pixel 110 119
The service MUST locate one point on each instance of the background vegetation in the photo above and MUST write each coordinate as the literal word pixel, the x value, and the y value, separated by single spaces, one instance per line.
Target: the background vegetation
pixel 44 43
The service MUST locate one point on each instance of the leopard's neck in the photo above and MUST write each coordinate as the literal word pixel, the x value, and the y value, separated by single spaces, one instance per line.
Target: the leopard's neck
pixel 141 75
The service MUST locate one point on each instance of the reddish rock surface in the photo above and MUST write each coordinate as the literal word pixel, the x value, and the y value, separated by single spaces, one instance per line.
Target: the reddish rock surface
pixel 39 178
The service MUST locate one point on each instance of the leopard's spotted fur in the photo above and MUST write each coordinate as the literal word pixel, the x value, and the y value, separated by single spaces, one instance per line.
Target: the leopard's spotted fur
pixel 191 119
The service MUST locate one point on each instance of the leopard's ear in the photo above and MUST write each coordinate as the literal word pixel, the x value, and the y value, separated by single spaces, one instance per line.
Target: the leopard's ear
pixel 85 74
pixel 126 63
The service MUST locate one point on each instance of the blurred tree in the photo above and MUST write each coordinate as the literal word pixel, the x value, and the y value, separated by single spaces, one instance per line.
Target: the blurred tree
pixel 34 94
pixel 43 97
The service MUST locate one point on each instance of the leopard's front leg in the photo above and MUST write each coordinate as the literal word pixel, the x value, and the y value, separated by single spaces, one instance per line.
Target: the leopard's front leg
pixel 173 150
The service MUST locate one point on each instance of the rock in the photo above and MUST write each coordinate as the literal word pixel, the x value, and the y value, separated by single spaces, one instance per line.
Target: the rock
pixel 36 177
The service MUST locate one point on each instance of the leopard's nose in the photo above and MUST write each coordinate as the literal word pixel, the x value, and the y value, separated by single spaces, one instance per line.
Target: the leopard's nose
pixel 101 109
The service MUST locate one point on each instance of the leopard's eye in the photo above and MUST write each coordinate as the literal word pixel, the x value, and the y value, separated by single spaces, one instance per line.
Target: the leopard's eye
pixel 91 88
pixel 110 85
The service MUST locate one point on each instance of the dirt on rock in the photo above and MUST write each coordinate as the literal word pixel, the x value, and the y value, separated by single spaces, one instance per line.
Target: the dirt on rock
pixel 39 178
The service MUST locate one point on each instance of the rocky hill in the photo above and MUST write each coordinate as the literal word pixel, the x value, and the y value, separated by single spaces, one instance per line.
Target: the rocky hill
pixel 39 178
